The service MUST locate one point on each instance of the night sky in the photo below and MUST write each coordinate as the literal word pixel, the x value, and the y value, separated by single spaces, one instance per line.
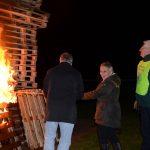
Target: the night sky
pixel 93 31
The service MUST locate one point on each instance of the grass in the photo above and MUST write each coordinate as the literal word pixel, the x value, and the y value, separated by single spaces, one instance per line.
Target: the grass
pixel 85 135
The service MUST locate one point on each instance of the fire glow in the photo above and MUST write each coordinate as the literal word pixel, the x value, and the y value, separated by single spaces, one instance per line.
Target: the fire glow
pixel 7 82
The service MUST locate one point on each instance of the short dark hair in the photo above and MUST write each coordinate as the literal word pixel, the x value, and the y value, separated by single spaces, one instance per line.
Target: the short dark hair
pixel 107 64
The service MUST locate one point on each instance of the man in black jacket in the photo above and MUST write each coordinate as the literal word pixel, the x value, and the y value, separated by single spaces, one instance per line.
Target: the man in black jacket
pixel 63 86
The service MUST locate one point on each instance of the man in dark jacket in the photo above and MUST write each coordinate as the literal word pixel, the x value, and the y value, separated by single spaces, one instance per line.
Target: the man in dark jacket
pixel 63 86
pixel 108 111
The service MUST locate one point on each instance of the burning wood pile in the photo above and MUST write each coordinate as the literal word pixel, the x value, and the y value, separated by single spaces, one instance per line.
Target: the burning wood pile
pixel 22 105
pixel 11 128
pixel 19 23
pixel 12 134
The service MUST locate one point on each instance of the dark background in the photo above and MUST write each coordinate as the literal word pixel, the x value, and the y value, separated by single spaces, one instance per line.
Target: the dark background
pixel 93 31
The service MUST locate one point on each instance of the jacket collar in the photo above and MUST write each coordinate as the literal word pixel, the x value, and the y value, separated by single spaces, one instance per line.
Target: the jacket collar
pixel 146 58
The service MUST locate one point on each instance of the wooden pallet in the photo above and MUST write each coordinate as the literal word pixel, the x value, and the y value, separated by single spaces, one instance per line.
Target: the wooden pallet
pixel 18 30
pixel 34 3
pixel 23 62
pixel 26 73
pixel 32 105
pixel 25 68
pixel 23 15
pixel 20 39
pixel 18 45
pixel 11 50
pixel 21 19
pixel 26 85
pixel 26 78
pixel 23 57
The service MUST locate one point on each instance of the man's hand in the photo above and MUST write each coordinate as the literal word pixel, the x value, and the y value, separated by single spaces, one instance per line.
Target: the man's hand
pixel 136 105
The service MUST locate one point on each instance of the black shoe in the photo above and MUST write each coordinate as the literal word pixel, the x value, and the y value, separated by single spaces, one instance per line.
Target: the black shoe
pixel 105 147
pixel 116 146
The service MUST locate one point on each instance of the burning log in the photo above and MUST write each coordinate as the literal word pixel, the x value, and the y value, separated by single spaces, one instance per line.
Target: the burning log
pixel 11 128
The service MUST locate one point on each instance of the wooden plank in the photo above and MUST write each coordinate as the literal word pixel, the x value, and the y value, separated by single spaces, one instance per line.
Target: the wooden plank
pixel 23 57
pixel 5 135
pixel 22 51
pixel 27 73
pixel 11 146
pixel 9 114
pixel 11 130
pixel 27 120
pixel 26 85
pixel 36 103
pixel 22 20
pixel 23 62
pixel 21 39
pixel 23 46
pixel 7 4
pixel 24 67
pixel 29 14
pixel 18 29
pixel 21 32
pixel 36 3
pixel 40 106
pixel 27 78
pixel 36 122
pixel 24 7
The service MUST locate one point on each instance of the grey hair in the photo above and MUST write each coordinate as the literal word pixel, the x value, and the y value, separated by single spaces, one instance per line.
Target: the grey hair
pixel 66 57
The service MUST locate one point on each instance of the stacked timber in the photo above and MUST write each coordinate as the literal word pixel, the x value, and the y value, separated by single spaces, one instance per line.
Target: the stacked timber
pixel 12 134
pixel 32 106
pixel 19 24
pixel 33 3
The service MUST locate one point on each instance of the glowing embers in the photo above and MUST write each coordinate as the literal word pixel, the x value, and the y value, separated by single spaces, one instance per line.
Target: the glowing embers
pixel 3 115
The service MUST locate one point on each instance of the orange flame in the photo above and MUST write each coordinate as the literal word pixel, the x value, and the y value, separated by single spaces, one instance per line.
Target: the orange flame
pixel 7 83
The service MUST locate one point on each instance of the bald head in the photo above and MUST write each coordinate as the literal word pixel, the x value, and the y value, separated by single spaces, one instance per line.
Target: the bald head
pixel 145 49
pixel 146 45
